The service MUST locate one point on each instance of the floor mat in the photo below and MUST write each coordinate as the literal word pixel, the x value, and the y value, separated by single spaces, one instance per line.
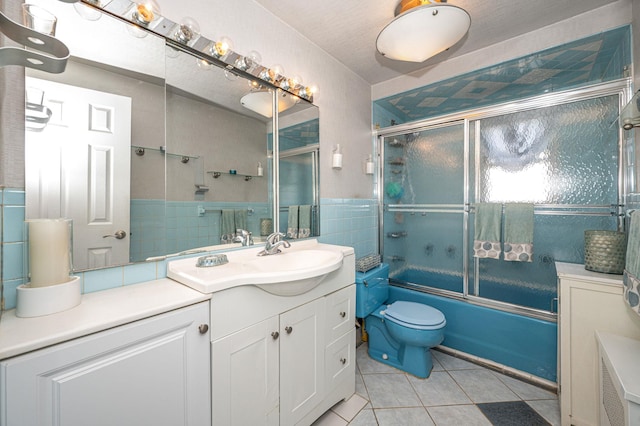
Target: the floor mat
pixel 512 413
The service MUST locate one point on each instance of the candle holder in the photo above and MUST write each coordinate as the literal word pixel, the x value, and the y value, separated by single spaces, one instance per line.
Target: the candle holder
pixel 51 288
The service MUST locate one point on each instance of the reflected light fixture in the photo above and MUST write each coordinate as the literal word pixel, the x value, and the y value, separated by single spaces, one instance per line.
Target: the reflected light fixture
pixel 259 100
pixel 422 29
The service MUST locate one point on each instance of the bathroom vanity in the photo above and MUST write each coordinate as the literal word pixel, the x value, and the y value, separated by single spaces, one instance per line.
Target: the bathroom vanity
pixel 130 356
pixel 275 346
pixel 283 351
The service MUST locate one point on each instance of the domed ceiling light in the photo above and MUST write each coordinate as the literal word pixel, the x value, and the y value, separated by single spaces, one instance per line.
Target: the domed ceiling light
pixel 422 29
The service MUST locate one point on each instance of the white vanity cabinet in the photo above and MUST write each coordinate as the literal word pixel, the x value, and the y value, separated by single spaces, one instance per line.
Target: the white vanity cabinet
pixel 288 368
pixel 589 302
pixel 154 371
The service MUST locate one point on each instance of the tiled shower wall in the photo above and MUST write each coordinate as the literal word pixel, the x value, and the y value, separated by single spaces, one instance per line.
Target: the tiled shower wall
pixel 350 222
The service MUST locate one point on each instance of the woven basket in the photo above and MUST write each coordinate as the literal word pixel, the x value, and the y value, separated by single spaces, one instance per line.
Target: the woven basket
pixel 605 251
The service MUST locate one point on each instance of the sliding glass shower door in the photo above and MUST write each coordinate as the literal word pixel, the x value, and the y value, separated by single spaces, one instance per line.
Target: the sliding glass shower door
pixel 424 195
pixel 564 159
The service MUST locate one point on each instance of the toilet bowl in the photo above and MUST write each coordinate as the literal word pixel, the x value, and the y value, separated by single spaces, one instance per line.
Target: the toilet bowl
pixel 401 333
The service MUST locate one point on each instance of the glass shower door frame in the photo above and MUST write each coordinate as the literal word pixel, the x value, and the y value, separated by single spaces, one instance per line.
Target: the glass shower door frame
pixel 622 88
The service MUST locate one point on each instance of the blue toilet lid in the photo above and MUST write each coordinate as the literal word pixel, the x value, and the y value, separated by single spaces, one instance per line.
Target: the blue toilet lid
pixel 415 314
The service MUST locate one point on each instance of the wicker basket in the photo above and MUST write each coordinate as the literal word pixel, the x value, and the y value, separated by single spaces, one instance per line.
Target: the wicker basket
pixel 605 251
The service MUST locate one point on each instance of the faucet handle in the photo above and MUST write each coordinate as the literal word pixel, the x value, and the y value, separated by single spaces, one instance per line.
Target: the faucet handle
pixel 275 237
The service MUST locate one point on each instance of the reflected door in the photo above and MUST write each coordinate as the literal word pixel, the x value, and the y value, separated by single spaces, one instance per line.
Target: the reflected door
pixel 79 168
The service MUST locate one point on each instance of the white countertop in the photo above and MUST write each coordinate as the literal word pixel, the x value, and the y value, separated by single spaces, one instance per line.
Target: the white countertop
pixel 577 271
pixel 623 353
pixel 97 311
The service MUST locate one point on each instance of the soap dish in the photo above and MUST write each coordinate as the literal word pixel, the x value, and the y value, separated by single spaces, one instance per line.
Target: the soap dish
pixel 212 260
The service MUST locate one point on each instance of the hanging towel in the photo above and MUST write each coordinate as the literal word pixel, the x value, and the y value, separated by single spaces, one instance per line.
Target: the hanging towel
pixel 631 276
pixel 518 232
pixel 240 217
pixel 486 242
pixel 227 226
pixel 292 227
pixel 304 221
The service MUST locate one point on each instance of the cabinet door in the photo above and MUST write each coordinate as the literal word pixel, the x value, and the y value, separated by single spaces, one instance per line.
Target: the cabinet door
pixel 150 372
pixel 301 360
pixel 244 373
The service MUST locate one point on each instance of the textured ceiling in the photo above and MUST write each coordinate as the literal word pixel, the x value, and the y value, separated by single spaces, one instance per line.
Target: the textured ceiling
pixel 348 29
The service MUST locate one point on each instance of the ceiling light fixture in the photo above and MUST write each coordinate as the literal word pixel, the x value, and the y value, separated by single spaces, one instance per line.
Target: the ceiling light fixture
pixel 260 100
pixel 422 29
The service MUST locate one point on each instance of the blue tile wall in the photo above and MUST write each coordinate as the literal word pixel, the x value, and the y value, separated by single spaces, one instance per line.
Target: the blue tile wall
pixel 595 59
pixel 12 247
pixel 350 222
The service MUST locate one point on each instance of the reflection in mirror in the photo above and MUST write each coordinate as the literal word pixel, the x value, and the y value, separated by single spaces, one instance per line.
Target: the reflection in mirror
pixel 299 197
pixel 224 184
pixel 82 131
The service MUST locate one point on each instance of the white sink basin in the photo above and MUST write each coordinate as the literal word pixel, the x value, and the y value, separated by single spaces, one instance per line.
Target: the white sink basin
pixel 296 270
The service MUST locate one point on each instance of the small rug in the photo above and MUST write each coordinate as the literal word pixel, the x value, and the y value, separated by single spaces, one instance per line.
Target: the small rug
pixel 512 413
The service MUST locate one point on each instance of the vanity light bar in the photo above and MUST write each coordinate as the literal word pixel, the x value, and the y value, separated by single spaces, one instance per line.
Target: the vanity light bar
pixel 200 47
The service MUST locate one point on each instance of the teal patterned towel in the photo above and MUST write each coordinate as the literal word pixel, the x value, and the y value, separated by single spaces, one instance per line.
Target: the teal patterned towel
pixel 631 276
pixel 304 221
pixel 486 242
pixel 227 226
pixel 292 227
pixel 518 232
pixel 240 217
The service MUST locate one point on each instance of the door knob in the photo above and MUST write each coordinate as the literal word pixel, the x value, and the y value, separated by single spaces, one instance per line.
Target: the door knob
pixel 343 314
pixel 118 235
pixel 203 328
pixel 288 329
pixel 343 361
pixel 275 335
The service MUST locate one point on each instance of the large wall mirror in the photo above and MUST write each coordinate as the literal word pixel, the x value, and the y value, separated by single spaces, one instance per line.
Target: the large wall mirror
pixel 152 152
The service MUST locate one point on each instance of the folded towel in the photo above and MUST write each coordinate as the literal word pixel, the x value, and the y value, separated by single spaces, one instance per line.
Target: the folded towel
pixel 518 232
pixel 240 217
pixel 304 221
pixel 292 227
pixel 631 276
pixel 227 226
pixel 486 242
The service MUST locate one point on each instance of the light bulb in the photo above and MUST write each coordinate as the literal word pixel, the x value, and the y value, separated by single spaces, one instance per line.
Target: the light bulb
pixel 188 29
pixel 221 48
pixel 87 12
pixel 251 60
pixel 146 11
pixel 204 65
pixel 290 84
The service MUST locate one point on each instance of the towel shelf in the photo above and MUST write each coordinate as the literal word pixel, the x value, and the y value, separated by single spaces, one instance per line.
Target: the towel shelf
pixel 216 175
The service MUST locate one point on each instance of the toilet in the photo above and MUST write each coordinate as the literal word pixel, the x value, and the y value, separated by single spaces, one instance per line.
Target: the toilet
pixel 400 334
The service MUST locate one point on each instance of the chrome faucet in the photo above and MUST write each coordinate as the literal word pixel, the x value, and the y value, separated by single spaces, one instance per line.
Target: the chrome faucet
pixel 244 237
pixel 273 244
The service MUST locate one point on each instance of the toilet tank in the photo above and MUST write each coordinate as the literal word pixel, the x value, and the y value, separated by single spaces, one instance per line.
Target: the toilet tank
pixel 372 289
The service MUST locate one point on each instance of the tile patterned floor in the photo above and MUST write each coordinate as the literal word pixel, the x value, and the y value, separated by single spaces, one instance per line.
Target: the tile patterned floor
pixel 457 393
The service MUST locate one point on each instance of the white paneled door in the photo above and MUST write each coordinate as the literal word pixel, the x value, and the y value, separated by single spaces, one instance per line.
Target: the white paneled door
pixel 78 167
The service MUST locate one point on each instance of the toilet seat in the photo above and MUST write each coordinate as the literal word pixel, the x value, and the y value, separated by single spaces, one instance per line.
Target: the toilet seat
pixel 414 315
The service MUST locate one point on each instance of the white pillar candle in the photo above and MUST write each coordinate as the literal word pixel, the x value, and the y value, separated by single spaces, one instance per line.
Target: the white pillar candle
pixel 49 245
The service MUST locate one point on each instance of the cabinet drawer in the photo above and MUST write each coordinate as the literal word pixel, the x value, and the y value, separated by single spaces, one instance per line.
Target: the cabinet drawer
pixel 340 312
pixel 340 359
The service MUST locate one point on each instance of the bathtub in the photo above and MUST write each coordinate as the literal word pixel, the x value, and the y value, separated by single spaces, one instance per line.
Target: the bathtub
pixel 520 342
